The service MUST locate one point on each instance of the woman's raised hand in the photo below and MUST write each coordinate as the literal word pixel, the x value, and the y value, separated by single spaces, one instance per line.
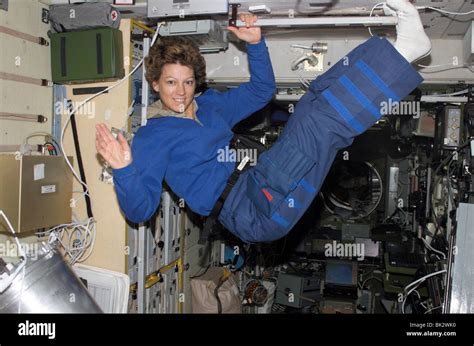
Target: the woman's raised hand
pixel 115 152
pixel 249 33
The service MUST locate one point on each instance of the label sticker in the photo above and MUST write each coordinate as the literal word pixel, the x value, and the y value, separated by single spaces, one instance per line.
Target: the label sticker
pixel 38 171
pixel 48 189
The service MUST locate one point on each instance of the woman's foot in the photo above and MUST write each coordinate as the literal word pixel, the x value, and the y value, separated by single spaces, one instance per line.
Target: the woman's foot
pixel 412 42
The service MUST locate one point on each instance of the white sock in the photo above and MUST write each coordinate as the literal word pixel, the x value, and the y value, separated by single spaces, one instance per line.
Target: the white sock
pixel 412 42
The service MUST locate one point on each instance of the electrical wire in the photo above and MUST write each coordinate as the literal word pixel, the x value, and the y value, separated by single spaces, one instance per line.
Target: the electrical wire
pixel 462 92
pixel 432 66
pixel 406 296
pixel 52 150
pixel 450 188
pixel 296 69
pixel 417 283
pixel 437 307
pixel 372 11
pixel 424 278
pixel 302 79
pixel 433 249
pixel 75 238
pixel 447 161
pixel 35 134
pixel 419 297
pixel 448 12
pixel 444 162
pixel 450 66
pixel 446 69
pixel 48 136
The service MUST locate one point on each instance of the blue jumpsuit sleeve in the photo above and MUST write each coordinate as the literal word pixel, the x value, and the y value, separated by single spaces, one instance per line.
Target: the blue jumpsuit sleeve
pixel 138 186
pixel 251 96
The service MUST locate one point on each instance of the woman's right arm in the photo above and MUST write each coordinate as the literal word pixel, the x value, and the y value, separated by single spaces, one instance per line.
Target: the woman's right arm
pixel 138 192
pixel 137 175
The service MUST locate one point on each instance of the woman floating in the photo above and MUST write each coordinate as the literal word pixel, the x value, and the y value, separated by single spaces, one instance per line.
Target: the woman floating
pixel 185 133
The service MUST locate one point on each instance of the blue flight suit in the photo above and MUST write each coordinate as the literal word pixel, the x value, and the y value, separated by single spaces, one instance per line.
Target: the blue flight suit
pixel 268 199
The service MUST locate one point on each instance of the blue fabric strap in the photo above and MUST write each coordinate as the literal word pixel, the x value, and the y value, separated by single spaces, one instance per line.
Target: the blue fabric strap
pixel 280 220
pixel 377 80
pixel 342 110
pixel 307 186
pixel 363 100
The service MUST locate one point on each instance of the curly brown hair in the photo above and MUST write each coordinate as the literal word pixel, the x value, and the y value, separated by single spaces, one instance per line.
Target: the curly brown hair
pixel 175 50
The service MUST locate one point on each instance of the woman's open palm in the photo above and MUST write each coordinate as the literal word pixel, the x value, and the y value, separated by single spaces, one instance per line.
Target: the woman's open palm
pixel 249 33
pixel 115 152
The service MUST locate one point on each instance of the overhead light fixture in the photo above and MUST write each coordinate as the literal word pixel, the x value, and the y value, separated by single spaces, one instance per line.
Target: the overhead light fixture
pixel 124 2
pixel 443 99
pixel 260 9
pixel 326 21
pixel 288 97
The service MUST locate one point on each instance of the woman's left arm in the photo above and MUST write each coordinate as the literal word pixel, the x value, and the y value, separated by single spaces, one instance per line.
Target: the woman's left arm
pixel 252 96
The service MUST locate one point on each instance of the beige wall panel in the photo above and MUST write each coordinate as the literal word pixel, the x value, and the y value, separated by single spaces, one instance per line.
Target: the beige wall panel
pixel 109 250
pixel 24 16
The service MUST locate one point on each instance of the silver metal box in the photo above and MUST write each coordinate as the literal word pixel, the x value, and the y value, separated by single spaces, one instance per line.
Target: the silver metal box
pixel 207 34
pixel 461 298
pixel 184 8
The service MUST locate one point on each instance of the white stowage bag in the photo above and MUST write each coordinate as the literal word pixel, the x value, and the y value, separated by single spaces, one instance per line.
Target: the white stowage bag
pixel 203 289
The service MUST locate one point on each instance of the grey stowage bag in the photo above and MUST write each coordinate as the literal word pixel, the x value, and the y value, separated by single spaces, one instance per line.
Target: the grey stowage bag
pixel 83 16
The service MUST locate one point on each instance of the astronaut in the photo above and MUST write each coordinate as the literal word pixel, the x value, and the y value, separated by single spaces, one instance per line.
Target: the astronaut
pixel 185 131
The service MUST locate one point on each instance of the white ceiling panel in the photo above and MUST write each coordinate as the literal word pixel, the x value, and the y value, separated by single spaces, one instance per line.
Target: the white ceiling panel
pixel 437 24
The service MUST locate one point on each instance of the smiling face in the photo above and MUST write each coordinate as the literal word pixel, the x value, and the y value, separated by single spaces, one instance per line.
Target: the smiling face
pixel 176 86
